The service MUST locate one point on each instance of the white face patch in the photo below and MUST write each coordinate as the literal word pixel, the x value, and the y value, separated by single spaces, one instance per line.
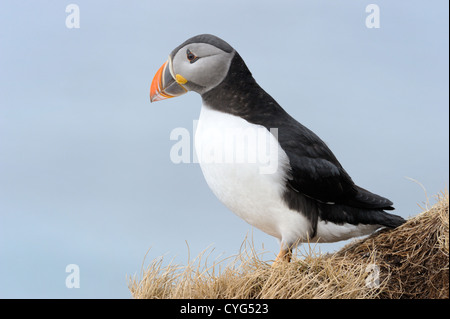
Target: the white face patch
pixel 208 71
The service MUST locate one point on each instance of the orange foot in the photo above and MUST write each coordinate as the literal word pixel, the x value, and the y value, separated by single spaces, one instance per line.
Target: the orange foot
pixel 283 255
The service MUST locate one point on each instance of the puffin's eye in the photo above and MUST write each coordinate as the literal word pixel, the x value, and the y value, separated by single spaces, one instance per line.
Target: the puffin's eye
pixel 191 56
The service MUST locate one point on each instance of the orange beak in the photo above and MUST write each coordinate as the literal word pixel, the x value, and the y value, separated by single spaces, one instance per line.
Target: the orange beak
pixel 164 86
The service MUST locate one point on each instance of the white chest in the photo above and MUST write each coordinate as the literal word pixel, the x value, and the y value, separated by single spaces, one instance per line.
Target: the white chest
pixel 244 166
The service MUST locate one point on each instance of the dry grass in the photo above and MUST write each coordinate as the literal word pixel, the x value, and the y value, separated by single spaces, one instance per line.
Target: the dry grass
pixel 415 256
pixel 412 262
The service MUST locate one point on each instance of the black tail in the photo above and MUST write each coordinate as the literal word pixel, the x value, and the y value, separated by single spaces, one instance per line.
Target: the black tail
pixel 363 207
pixel 385 219
pixel 341 214
pixel 365 199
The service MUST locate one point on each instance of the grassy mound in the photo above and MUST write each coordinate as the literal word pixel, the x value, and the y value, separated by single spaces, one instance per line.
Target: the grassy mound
pixel 411 261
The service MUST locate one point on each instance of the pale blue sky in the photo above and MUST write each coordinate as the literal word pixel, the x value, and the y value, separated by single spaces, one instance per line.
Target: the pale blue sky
pixel 85 172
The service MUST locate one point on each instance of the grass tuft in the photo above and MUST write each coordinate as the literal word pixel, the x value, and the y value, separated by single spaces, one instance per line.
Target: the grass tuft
pixel 411 261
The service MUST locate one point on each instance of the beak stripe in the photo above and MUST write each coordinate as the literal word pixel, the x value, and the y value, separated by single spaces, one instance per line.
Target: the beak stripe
pixel 164 85
pixel 155 88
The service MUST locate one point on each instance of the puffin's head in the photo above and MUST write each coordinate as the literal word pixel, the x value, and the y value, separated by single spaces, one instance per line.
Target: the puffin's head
pixel 199 64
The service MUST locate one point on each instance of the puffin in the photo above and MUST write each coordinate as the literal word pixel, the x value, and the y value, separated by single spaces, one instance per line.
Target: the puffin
pixel 265 166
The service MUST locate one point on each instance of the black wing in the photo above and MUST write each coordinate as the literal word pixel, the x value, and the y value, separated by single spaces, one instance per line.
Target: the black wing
pixel 315 171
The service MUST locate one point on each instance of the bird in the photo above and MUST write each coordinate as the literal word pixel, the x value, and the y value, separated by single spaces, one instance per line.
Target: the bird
pixel 261 163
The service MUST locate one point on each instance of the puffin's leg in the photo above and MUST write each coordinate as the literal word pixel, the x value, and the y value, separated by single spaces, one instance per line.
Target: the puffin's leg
pixel 285 254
